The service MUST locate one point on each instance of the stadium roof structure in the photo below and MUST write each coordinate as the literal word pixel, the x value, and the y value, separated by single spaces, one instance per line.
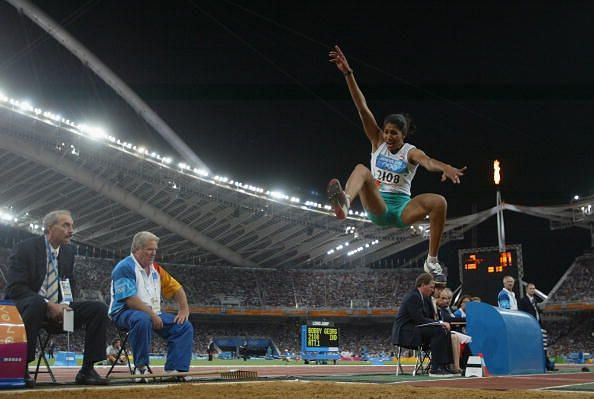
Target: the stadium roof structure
pixel 116 189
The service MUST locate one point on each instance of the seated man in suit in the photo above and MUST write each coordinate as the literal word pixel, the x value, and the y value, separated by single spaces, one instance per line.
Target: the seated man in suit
pixel 461 311
pixel 38 272
pixel 415 310
pixel 446 314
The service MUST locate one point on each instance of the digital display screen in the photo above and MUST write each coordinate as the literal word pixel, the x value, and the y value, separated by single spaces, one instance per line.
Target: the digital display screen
pixel 482 271
pixel 322 337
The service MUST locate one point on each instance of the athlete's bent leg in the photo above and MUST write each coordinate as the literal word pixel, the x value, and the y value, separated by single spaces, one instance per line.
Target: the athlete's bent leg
pixel 436 207
pixel 360 183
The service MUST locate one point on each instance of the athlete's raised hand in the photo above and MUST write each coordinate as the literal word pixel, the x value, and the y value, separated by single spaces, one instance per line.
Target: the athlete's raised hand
pixel 454 174
pixel 337 57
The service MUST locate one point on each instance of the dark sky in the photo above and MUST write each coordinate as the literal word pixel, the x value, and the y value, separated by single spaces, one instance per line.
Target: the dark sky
pixel 248 86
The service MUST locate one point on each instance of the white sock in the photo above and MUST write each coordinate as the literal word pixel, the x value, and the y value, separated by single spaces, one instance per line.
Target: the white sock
pixel 432 259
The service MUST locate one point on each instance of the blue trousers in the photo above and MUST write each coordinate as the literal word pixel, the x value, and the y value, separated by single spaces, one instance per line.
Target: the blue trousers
pixel 140 328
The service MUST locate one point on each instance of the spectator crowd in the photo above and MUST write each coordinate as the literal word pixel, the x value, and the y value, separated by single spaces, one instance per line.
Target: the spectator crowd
pixel 213 285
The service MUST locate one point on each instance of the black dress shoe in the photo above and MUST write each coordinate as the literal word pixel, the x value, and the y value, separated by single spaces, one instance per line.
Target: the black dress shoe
pixel 29 380
pixel 89 377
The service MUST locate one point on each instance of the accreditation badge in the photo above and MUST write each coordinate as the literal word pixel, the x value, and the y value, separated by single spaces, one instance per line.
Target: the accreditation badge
pixel 66 291
pixel 156 305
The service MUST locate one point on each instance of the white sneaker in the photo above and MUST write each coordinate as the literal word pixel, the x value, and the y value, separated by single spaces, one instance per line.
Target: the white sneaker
pixel 172 376
pixel 338 199
pixel 441 373
pixel 140 371
pixel 433 267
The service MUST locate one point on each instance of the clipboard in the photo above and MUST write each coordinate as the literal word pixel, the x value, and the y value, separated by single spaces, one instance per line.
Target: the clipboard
pixel 434 323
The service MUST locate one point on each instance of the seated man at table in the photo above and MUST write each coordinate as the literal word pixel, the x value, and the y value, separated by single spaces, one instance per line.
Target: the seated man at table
pixel 459 340
pixel 137 283
pixel 414 326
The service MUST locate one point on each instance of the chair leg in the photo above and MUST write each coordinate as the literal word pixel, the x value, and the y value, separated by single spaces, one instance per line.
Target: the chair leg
pixel 424 357
pixel 398 362
pixel 128 360
pixel 117 358
pixel 113 365
pixel 124 350
pixel 39 343
pixel 42 345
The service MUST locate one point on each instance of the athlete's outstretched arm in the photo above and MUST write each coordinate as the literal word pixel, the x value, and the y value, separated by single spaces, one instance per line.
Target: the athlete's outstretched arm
pixel 372 130
pixel 433 165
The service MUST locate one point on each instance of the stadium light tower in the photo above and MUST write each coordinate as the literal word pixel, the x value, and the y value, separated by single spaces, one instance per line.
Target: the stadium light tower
pixel 500 223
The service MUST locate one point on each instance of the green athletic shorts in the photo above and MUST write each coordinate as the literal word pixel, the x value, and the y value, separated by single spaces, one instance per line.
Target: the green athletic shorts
pixel 395 204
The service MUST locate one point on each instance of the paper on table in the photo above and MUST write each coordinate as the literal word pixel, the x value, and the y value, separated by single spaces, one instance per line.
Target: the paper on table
pixel 68 320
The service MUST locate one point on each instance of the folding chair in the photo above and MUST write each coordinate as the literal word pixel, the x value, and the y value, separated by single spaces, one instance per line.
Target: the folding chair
pixel 41 346
pixel 423 361
pixel 422 355
pixel 123 335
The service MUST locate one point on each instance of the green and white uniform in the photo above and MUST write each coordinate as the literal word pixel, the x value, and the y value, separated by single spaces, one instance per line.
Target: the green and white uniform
pixel 393 174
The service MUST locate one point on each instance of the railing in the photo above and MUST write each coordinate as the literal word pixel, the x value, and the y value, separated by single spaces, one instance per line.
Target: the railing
pixel 290 311
pixel 568 306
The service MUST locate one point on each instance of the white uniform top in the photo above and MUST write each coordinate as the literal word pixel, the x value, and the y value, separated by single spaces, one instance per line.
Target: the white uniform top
pixel 148 286
pixel 393 172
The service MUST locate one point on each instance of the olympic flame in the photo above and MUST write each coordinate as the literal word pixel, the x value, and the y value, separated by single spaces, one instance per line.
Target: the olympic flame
pixel 496 175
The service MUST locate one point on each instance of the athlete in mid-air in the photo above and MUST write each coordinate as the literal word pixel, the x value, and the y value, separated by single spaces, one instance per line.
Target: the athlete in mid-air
pixel 385 189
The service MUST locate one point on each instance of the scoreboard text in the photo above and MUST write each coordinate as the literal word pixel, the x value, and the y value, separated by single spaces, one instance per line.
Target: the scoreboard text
pixel 482 270
pixel 322 337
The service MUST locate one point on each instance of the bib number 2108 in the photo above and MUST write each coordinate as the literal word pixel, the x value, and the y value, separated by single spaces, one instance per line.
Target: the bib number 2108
pixel 387 177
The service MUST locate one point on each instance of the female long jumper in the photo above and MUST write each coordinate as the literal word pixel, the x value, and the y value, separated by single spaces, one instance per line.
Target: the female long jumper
pixel 385 189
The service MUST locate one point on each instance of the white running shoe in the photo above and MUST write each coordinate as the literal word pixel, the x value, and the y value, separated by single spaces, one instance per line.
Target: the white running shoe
pixel 338 198
pixel 441 373
pixel 140 371
pixel 433 267
pixel 173 376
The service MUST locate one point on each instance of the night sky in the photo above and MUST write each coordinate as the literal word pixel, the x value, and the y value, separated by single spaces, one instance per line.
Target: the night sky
pixel 248 86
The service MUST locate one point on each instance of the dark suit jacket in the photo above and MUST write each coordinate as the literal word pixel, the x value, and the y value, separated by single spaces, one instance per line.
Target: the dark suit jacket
pixel 446 314
pixel 525 306
pixel 28 267
pixel 414 310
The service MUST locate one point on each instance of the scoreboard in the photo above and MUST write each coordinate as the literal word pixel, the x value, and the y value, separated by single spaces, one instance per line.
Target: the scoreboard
pixel 482 271
pixel 320 338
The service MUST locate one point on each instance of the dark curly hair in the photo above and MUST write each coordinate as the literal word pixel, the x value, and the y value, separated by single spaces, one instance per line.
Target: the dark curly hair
pixel 404 122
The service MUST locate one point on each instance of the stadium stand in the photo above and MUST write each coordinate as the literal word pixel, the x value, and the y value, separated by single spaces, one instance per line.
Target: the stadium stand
pixel 233 286
pixel 571 332
pixel 576 284
pixel 296 288
pixel 224 287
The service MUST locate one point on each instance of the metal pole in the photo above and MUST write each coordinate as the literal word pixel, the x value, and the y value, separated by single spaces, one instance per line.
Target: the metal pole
pixel 500 224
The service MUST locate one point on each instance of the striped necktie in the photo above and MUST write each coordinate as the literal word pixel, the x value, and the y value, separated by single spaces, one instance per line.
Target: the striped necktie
pixel 52 280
